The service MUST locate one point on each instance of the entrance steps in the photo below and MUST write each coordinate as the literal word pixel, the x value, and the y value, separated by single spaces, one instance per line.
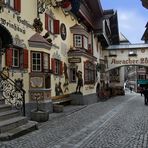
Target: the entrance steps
pixel 12 124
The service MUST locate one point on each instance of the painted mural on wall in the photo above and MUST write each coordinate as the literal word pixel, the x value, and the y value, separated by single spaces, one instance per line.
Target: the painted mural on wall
pixel 63 31
pixel 79 82
pixel 66 83
pixel 58 89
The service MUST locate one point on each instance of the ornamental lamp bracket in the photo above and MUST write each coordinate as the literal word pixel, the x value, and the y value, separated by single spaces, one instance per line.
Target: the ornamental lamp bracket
pixel 42 5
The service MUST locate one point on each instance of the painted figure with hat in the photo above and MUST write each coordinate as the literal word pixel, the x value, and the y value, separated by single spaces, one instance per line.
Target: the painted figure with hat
pixel 80 81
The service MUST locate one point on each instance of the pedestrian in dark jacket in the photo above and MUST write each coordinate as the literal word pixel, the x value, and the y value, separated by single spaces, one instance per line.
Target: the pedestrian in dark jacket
pixel 145 92
pixel 141 90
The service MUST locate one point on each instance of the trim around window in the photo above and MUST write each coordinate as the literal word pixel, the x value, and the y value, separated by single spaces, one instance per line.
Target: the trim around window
pixel 80 41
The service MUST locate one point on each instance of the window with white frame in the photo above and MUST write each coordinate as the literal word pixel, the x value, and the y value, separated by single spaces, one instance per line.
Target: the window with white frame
pixel 57 66
pixel 85 42
pixel 15 58
pixel 78 41
pixel 36 61
pixel 13 4
pixel 46 62
pixel 51 24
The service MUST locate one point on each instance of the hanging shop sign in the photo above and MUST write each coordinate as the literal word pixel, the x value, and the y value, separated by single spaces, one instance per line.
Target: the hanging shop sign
pixel 74 60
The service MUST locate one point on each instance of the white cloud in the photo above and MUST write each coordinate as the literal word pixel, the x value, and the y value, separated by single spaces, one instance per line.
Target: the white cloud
pixel 131 24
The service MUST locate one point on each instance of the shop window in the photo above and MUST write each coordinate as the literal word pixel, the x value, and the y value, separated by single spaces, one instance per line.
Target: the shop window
pixel 57 67
pixel 17 58
pixel 80 41
pixel 14 4
pixel 51 25
pixel 89 73
pixel 72 74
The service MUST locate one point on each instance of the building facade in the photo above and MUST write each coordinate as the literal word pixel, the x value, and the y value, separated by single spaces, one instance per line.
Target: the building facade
pixel 56 48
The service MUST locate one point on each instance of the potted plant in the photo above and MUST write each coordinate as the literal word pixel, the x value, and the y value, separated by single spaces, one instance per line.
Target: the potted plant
pixel 39 114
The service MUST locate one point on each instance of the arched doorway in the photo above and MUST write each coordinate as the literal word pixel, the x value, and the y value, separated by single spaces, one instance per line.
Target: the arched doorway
pixel 5 41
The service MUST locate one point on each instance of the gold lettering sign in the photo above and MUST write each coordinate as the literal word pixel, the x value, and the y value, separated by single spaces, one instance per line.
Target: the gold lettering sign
pixel 74 60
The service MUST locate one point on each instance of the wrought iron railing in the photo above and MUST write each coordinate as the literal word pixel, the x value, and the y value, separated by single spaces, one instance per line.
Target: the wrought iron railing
pixel 12 93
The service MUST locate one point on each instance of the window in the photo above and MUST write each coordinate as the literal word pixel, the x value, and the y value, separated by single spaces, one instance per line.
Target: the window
pixel 46 62
pixel 132 52
pixel 112 53
pixel 142 77
pixel 89 72
pixel 51 25
pixel 17 58
pixel 57 67
pixel 77 40
pixel 40 61
pixel 80 41
pixel 73 74
pixel 36 61
pixel 14 4
pixel 85 42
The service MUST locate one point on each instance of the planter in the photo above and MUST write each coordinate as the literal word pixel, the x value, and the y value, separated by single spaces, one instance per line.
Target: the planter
pixel 39 116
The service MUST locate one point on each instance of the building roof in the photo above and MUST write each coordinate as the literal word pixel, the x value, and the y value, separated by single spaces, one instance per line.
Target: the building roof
pixel 38 41
pixel 123 39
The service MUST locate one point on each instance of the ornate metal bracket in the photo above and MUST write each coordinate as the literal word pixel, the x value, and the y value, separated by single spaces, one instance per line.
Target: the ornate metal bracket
pixel 43 4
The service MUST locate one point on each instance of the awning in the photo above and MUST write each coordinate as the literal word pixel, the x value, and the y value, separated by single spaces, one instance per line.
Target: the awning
pixel 142 81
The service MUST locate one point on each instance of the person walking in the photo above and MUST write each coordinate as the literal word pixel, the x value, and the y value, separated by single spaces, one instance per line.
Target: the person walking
pixel 141 90
pixel 145 92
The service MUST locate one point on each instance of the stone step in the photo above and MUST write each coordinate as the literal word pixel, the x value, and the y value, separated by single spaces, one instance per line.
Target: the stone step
pixel 19 131
pixel 9 114
pixel 63 101
pixel 12 123
pixel 5 107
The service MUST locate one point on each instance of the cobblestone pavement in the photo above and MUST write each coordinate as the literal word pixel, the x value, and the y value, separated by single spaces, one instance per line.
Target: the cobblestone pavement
pixel 120 122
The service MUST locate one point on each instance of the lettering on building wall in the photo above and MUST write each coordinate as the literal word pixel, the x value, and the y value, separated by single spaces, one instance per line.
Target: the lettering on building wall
pixel 12 25
pixel 130 61
pixel 15 26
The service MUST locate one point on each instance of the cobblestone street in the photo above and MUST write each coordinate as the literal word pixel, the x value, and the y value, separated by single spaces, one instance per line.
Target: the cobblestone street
pixel 120 122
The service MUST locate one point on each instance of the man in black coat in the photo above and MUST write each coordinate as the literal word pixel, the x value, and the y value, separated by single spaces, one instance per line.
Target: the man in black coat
pixel 145 92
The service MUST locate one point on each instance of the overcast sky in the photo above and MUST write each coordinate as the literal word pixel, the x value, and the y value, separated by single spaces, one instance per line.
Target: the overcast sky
pixel 132 17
